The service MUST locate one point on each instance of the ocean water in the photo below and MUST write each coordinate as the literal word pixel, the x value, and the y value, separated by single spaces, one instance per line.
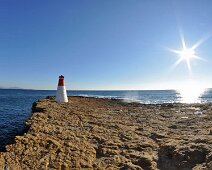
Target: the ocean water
pixel 15 108
pixel 15 105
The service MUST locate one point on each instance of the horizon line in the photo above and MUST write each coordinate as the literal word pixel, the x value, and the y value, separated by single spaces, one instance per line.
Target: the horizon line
pixel 2 88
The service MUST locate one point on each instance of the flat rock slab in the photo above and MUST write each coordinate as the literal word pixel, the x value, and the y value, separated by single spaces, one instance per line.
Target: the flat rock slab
pixel 92 133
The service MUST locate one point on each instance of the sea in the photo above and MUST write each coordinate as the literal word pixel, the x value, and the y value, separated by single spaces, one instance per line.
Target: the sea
pixel 15 104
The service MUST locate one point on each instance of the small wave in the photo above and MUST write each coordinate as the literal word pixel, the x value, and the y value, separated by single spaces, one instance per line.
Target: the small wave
pixel 129 100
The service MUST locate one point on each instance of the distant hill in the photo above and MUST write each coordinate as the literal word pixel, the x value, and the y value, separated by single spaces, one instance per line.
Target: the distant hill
pixel 11 88
pixel 15 88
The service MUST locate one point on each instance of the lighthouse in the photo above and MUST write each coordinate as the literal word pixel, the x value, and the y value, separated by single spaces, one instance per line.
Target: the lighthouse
pixel 61 95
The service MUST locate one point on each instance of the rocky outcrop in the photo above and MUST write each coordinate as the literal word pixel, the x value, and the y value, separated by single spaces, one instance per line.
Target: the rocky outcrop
pixel 90 133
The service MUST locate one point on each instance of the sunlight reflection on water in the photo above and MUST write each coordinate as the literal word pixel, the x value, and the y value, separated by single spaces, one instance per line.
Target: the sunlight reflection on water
pixel 191 94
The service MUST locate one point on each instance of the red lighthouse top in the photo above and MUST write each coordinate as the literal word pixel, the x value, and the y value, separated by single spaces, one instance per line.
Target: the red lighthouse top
pixel 61 81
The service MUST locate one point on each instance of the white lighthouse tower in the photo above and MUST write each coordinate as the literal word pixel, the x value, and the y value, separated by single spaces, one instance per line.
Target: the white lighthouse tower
pixel 61 95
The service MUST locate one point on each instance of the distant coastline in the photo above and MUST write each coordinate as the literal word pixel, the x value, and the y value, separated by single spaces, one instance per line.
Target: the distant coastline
pixel 12 88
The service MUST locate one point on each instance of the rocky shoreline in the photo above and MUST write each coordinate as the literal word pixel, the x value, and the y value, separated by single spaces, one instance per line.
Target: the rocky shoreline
pixel 92 133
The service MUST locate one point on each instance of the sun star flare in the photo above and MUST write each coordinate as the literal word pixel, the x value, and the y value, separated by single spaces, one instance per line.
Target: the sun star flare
pixel 187 54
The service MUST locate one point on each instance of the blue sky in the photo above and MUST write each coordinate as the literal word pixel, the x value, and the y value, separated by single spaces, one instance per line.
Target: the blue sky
pixel 98 44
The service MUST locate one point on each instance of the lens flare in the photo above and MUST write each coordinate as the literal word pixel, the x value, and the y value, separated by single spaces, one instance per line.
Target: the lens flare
pixel 187 54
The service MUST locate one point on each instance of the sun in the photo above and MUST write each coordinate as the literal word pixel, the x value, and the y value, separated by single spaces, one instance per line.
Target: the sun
pixel 187 54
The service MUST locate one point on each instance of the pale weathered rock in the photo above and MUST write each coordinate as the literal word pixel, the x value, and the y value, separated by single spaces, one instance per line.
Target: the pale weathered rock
pixel 90 133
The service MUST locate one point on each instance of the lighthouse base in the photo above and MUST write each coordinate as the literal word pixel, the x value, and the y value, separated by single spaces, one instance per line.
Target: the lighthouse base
pixel 61 95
